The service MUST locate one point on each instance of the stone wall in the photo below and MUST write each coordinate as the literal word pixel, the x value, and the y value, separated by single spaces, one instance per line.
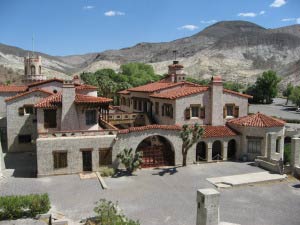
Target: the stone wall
pixel 22 125
pixel 73 146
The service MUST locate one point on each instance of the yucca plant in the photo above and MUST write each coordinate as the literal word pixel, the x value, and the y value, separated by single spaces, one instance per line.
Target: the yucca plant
pixel 132 161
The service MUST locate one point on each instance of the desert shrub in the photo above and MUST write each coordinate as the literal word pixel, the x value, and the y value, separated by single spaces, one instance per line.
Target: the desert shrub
pixel 107 172
pixel 132 161
pixel 15 207
pixel 108 213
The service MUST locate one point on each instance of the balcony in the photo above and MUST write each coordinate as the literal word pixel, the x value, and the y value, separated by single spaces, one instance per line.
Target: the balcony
pixel 78 133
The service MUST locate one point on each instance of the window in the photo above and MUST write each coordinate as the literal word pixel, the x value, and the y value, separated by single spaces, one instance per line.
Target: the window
pixel 60 159
pixel 254 145
pixel 140 106
pixel 29 110
pixel 236 111
pixel 40 70
pixel 105 156
pixel 24 139
pixel 134 104
pixel 21 111
pixel 168 110
pixel 50 118
pixel 90 117
pixel 157 108
pixel 128 101
pixel 32 70
pixel 195 111
pixel 229 110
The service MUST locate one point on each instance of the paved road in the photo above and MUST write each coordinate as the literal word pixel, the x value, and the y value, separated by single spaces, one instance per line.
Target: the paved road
pixel 277 108
pixel 167 196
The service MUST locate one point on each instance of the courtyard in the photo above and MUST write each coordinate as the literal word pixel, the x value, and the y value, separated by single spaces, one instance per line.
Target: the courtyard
pixel 167 196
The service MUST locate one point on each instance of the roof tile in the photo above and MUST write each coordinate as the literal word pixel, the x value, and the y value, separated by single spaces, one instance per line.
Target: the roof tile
pixel 180 92
pixel 27 93
pixel 13 88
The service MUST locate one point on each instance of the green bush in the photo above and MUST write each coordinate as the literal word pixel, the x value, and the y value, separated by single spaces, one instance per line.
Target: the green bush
pixel 108 213
pixel 15 207
pixel 107 172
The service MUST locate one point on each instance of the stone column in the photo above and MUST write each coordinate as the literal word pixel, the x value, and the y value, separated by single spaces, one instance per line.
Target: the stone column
pixel 225 150
pixel 208 207
pixel 209 152
pixel 271 152
pixel 295 154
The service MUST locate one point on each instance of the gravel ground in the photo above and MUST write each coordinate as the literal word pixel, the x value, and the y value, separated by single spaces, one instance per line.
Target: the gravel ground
pixel 167 196
pixel 277 108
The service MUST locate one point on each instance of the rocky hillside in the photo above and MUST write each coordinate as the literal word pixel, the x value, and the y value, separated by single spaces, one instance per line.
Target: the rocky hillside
pixel 237 50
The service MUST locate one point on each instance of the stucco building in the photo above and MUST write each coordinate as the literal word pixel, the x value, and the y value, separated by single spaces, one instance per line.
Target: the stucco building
pixel 72 130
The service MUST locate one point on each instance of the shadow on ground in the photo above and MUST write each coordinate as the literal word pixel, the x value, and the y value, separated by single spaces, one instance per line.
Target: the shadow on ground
pixel 164 171
pixel 22 164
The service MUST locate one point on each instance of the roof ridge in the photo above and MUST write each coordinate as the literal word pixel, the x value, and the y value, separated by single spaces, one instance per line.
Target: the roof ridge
pixel 26 93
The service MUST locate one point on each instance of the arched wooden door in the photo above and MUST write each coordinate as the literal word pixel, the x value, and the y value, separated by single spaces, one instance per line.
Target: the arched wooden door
pixel 201 151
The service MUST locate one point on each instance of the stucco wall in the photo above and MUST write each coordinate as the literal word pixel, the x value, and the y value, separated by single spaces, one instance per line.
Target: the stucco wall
pixel 257 132
pixel 4 96
pixel 158 117
pixel 51 86
pixel 26 124
pixel 87 92
pixel 242 102
pixel 73 145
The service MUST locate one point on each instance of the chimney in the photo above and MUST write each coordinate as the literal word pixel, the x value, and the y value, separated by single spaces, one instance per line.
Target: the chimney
pixel 69 118
pixel 217 104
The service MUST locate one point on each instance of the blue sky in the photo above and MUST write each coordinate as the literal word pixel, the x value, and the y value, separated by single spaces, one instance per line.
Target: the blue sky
pixel 64 27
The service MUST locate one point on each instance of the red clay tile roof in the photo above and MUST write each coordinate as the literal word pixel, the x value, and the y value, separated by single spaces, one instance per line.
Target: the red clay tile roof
pixel 82 99
pixel 56 99
pixel 218 131
pixel 86 87
pixel 180 92
pixel 156 86
pixel 149 127
pixel 257 120
pixel 237 93
pixel 209 131
pixel 50 102
pixel 12 88
pixel 45 82
pixel 27 93
pixel 124 92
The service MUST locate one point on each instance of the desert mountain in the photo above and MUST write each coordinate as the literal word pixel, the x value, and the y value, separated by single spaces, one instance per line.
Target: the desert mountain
pixel 237 50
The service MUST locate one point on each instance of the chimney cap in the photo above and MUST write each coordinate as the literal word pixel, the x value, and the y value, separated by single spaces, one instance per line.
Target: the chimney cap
pixel 216 79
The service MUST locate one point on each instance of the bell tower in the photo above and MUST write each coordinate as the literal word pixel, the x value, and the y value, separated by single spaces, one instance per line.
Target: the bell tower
pixel 33 69
pixel 175 72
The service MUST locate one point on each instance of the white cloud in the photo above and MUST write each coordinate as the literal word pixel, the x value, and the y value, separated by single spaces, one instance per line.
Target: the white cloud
pixel 188 27
pixel 262 12
pixel 248 14
pixel 298 20
pixel 208 21
pixel 88 7
pixel 278 3
pixel 288 19
pixel 114 13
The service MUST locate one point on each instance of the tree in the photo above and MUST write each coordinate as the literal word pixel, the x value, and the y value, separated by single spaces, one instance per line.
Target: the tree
pixel 287 92
pixel 234 86
pixel 295 96
pixel 132 161
pixel 265 88
pixel 189 135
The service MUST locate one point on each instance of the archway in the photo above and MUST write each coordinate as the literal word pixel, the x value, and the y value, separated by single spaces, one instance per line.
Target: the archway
pixel 231 149
pixel 201 151
pixel 157 151
pixel 217 150
pixel 287 150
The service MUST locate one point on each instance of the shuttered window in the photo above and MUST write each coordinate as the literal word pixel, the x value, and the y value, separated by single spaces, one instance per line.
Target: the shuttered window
pixel 202 113
pixel 90 117
pixel 21 111
pixel 105 156
pixel 236 111
pixel 60 159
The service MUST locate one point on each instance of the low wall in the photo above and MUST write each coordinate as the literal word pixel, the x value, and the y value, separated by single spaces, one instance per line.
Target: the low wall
pixel 73 147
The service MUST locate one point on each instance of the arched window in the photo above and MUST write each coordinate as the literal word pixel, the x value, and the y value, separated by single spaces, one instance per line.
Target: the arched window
pixel 32 70
pixel 40 70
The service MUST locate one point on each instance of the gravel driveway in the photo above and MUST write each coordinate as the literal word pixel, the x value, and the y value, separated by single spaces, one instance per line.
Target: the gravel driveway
pixel 167 196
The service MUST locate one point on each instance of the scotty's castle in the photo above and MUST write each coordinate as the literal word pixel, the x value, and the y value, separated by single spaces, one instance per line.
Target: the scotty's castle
pixel 70 129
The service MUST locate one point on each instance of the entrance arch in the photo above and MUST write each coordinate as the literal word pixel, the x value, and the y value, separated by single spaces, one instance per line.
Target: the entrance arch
pixel 217 150
pixel 231 150
pixel 157 151
pixel 201 151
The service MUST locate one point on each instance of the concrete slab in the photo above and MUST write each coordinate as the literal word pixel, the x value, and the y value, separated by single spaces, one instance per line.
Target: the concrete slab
pixel 244 179
pixel 226 223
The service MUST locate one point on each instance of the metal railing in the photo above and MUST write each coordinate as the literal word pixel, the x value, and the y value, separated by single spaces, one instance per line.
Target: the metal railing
pixel 77 133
